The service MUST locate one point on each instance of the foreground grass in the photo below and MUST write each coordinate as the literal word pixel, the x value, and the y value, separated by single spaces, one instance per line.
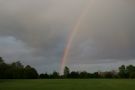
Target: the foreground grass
pixel 101 84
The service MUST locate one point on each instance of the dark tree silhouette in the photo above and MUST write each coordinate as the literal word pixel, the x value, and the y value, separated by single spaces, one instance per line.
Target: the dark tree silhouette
pixel 122 71
pixel 44 76
pixel 66 72
pixel 130 71
pixel 30 72
pixel 17 70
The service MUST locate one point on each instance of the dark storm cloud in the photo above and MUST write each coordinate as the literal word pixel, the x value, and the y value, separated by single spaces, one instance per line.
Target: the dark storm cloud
pixel 36 32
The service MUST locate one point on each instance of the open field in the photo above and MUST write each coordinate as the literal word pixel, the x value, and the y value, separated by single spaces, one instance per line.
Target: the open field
pixel 91 84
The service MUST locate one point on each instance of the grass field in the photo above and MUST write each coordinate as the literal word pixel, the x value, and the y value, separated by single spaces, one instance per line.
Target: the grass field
pixel 101 84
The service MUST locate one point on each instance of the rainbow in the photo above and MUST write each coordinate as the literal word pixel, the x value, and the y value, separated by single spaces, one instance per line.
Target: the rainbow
pixel 71 37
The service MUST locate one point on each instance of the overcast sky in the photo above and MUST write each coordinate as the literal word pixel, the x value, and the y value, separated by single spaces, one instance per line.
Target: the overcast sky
pixel 35 32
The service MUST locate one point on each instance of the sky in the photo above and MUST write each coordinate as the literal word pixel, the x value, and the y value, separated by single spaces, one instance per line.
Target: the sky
pixel 36 32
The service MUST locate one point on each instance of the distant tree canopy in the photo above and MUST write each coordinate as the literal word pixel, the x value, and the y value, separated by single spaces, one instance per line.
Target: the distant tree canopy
pixel 127 71
pixel 66 72
pixel 1 60
pixel 17 70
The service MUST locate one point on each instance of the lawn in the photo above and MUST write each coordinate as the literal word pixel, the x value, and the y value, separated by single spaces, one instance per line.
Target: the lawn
pixel 89 84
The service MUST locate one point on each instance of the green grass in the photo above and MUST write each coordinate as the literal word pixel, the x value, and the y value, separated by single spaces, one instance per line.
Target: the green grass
pixel 89 84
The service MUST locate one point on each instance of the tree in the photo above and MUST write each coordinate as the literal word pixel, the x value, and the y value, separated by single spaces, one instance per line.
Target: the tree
pixel 17 64
pixel 132 75
pixel 16 70
pixel 84 74
pixel 44 76
pixel 122 71
pixel 30 73
pixel 1 60
pixel 130 68
pixel 96 75
pixel 108 75
pixel 130 71
pixel 74 74
pixel 54 75
pixel 66 72
pixel 3 69
pixel 41 76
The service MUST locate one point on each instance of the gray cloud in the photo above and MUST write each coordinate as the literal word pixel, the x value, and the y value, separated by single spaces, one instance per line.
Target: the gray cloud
pixel 107 33
pixel 36 32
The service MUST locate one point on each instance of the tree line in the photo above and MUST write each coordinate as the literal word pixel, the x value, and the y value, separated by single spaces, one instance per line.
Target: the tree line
pixel 16 70
pixel 124 72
